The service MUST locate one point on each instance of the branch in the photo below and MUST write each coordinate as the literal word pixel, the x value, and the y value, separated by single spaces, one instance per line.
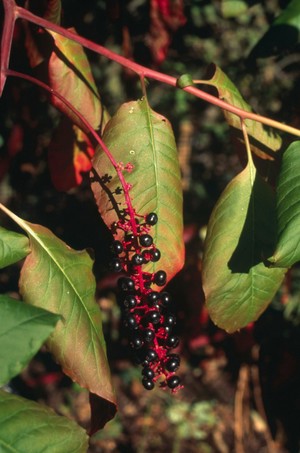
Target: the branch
pixel 143 71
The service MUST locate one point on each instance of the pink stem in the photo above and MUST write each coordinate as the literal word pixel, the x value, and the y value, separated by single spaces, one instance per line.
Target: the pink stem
pixel 10 72
pixel 143 71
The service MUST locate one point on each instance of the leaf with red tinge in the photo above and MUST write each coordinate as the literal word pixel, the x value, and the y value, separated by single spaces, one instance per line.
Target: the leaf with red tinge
pixel 264 142
pixel 70 75
pixel 69 154
pixel 34 40
pixel 166 17
pixel 60 280
pixel 140 136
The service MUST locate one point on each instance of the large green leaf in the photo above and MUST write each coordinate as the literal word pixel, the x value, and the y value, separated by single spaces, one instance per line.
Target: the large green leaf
pixel 23 330
pixel 288 209
pixel 241 232
pixel 264 142
pixel 13 247
pixel 70 75
pixel 138 135
pixel 60 279
pixel 282 36
pixel 28 427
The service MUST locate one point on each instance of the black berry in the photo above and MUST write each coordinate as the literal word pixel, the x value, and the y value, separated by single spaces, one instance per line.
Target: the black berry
pixel 169 320
pixel 173 381
pixel 148 373
pixel 137 260
pixel 172 341
pixel 116 265
pixel 147 383
pixel 154 317
pixel 160 278
pixel 146 240
pixel 153 297
pixel 151 218
pixel 165 299
pixel 155 255
pixel 172 363
pixel 149 335
pixel 151 356
pixel 117 247
pixel 126 284
pixel 136 343
pixel 130 301
pixel 131 322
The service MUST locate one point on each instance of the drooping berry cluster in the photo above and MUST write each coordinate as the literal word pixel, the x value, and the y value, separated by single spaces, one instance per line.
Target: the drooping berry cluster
pixel 146 311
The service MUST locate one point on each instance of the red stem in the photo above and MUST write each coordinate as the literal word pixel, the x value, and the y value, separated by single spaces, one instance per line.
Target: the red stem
pixel 12 73
pixel 6 39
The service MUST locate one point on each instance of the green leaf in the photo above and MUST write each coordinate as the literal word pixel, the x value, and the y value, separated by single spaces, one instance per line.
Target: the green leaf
pixel 282 36
pixel 13 247
pixel 71 76
pixel 23 330
pixel 138 135
pixel 264 142
pixel 288 209
pixel 241 234
pixel 60 279
pixel 26 426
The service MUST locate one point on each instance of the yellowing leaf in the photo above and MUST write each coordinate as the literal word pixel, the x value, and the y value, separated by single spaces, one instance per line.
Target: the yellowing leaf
pixel 140 136
pixel 241 234
pixel 60 280
pixel 264 142
pixel 70 75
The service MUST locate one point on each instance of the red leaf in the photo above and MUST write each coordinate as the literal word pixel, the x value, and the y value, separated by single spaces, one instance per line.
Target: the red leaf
pixel 70 154
pixel 166 17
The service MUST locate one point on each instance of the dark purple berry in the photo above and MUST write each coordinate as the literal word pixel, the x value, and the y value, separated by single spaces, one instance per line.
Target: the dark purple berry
pixel 117 247
pixel 169 320
pixel 154 317
pixel 168 329
pixel 137 260
pixel 149 335
pixel 131 322
pixel 155 255
pixel 173 381
pixel 146 240
pixel 126 284
pixel 148 373
pixel 147 383
pixel 152 297
pixel 129 237
pixel 136 343
pixel 130 301
pixel 172 363
pixel 172 341
pixel 165 299
pixel 160 278
pixel 151 219
pixel 115 265
pixel 151 356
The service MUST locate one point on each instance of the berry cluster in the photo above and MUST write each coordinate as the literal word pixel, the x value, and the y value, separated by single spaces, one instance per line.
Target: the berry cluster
pixel 145 310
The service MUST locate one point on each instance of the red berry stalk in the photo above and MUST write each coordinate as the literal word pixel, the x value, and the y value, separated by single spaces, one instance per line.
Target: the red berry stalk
pixel 145 311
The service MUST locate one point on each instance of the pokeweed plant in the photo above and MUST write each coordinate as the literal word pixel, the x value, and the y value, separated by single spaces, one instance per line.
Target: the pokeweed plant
pixel 135 177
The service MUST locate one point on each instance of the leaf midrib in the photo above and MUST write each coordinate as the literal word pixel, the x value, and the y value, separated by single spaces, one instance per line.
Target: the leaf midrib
pixel 25 225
